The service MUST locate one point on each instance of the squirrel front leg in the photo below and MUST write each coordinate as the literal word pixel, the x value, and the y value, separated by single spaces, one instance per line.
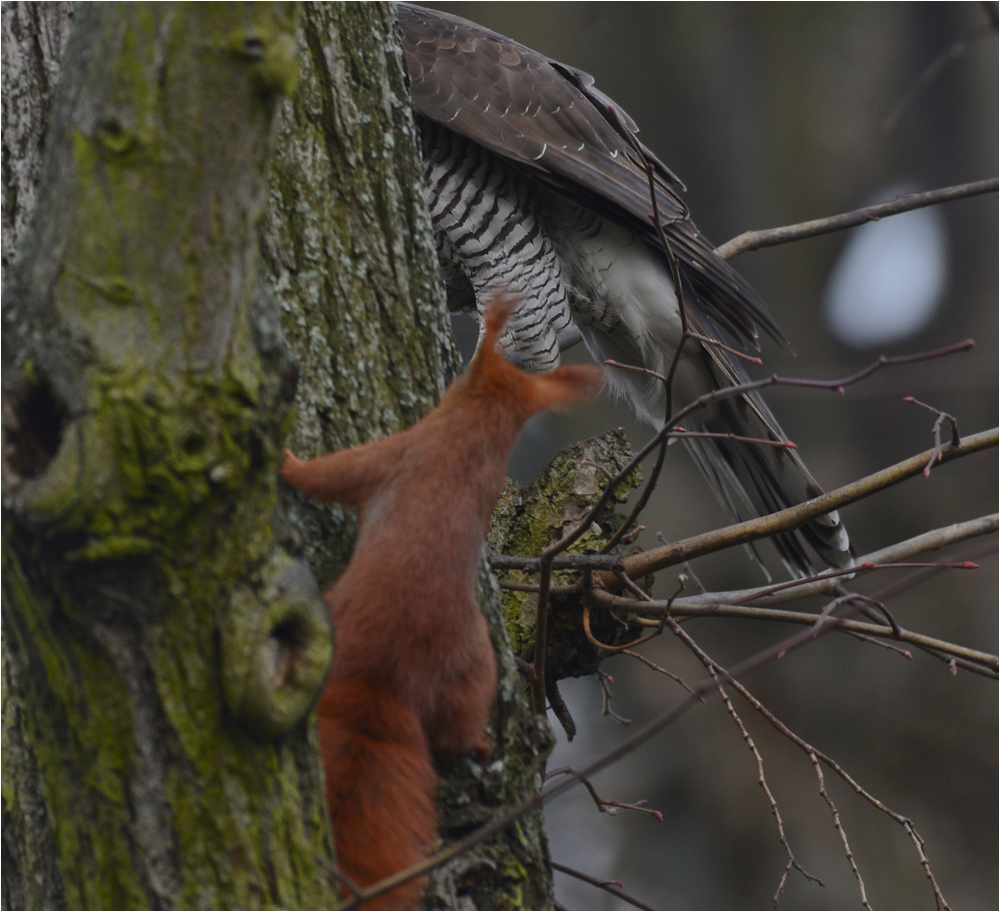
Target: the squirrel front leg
pixel 347 477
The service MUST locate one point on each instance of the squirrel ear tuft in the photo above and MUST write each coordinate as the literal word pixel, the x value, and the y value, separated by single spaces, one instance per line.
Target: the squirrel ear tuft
pixel 498 311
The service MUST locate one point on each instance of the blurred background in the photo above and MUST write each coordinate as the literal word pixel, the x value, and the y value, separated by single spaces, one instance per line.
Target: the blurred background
pixel 774 114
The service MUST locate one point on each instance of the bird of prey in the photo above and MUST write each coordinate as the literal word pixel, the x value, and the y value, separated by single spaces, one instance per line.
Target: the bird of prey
pixel 536 183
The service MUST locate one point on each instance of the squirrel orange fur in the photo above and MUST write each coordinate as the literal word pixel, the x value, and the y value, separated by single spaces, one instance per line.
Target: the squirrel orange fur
pixel 414 676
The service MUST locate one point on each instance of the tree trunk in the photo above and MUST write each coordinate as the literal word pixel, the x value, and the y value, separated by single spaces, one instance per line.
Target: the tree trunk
pixel 162 647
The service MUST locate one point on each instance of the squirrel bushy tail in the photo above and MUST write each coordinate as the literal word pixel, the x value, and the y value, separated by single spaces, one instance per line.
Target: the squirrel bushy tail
pixel 380 784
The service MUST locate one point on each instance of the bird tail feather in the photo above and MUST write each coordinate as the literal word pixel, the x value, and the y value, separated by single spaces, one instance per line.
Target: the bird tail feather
pixel 755 479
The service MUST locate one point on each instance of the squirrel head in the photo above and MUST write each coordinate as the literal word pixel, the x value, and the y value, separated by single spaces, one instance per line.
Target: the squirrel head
pixel 491 375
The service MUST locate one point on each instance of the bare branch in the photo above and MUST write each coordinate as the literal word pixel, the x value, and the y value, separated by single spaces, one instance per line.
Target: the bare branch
pixel 771 237
pixel 653 611
pixel 823 583
pixel 912 580
pixel 640 565
pixel 918 842
pixel 642 500
pixel 814 755
pixel 715 670
pixel 568 562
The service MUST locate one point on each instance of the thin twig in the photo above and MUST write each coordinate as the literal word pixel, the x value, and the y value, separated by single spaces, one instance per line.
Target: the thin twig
pixel 605 680
pixel 672 262
pixel 603 884
pixel 682 434
pixel 918 842
pixel 686 334
pixel 839 827
pixel 663 671
pixel 917 578
pixel 333 870
pixel 933 70
pixel 605 805
pixel 735 352
pixel 642 500
pixel 941 418
pixel 713 670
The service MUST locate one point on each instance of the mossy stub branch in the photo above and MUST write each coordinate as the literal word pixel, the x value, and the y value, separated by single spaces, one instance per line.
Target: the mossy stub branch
pixel 530 520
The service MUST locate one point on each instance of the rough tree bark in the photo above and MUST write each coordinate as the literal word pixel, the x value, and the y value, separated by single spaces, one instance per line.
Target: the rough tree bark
pixel 163 647
pixel 349 247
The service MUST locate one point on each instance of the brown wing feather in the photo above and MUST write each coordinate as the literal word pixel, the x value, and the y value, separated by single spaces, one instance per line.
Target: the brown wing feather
pixel 549 119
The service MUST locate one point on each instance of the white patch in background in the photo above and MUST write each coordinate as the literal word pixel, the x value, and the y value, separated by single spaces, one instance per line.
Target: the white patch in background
pixel 890 278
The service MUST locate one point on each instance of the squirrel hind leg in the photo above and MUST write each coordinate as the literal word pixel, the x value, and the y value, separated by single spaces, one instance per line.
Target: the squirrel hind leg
pixel 462 709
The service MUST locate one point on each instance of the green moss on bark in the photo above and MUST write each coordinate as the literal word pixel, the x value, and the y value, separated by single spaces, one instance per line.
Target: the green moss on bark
pixel 145 489
pixel 533 518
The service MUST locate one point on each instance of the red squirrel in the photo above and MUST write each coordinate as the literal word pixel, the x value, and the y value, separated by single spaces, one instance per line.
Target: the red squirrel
pixel 414 675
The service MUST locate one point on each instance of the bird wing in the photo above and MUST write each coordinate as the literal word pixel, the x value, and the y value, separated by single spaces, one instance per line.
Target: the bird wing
pixel 550 120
